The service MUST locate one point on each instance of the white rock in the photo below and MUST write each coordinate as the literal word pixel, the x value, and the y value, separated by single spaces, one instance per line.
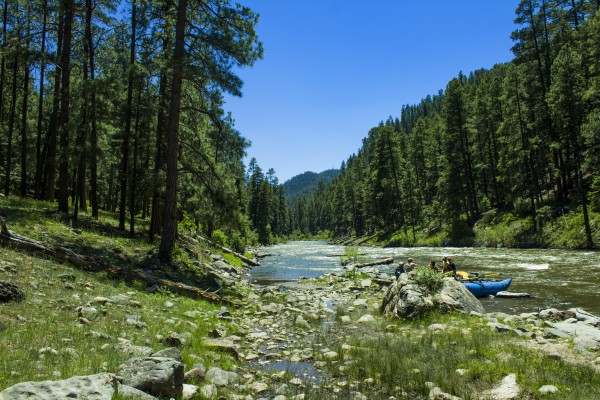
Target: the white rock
pixel 208 391
pixel 548 389
pixel 366 318
pixel 258 387
pixel 189 391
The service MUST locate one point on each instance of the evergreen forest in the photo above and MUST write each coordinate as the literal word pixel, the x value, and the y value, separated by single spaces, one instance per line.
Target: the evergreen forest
pixel 507 156
pixel 118 106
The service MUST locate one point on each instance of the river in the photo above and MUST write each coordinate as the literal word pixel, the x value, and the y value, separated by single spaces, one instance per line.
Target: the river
pixel 554 278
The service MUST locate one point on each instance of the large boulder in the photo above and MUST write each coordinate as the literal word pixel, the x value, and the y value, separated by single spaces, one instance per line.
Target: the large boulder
pixel 407 299
pixel 158 376
pixel 93 387
pixel 10 292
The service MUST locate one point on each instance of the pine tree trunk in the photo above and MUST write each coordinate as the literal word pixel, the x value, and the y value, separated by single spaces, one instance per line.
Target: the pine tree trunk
pixel 63 168
pixel 136 133
pixel 169 232
pixel 3 67
pixel 38 145
pixel 25 109
pixel 49 154
pixel 127 134
pixel 94 128
pixel 156 213
pixel 11 125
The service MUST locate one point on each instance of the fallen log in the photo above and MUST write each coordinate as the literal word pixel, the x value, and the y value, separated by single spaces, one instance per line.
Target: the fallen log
pixel 61 254
pixel 226 250
pixel 373 263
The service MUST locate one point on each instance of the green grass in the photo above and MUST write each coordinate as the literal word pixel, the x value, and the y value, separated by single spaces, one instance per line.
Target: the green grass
pixel 398 358
pixel 48 319
pixel 45 340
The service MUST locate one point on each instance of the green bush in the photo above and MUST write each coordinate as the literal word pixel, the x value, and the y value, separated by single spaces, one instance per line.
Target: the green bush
pixel 428 278
pixel 219 237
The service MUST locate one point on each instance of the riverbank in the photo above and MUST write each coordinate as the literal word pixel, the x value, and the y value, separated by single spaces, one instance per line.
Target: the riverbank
pixel 495 228
pixel 320 338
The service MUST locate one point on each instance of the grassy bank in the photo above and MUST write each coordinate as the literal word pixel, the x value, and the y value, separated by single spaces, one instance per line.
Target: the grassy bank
pixel 560 230
pixel 46 339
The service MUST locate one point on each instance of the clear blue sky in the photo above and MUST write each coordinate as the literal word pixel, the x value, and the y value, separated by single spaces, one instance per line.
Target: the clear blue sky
pixel 333 69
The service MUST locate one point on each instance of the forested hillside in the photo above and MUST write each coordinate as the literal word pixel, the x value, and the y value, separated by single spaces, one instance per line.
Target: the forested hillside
pixel 514 147
pixel 307 182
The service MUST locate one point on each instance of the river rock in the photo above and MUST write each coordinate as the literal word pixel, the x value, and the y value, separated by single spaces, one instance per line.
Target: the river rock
pixel 93 387
pixel 220 377
pixel 10 292
pixel 548 389
pixel 407 299
pixel 159 376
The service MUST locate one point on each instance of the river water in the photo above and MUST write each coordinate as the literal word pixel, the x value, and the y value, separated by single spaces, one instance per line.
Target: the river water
pixel 554 278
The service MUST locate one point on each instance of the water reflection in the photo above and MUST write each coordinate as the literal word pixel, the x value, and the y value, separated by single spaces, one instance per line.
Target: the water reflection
pixel 554 278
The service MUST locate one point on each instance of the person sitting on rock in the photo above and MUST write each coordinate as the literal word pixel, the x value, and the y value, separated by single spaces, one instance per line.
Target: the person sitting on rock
pixel 445 264
pixel 451 266
pixel 410 265
pixel 434 266
pixel 400 270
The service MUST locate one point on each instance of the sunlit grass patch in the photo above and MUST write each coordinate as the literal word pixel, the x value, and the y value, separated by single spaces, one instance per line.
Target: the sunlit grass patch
pixel 464 357
pixel 46 339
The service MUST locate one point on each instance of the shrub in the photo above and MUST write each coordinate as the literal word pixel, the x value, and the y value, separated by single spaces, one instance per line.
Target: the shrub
pixel 428 278
pixel 219 237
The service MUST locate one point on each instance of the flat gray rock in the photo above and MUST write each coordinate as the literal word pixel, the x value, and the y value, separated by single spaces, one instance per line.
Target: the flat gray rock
pixel 159 376
pixel 92 387
pixel 512 295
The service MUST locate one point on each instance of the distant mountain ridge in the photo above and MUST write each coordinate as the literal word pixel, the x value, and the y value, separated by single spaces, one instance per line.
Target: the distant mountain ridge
pixel 307 182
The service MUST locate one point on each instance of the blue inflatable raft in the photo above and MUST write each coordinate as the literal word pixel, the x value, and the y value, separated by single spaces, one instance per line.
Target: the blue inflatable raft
pixel 486 287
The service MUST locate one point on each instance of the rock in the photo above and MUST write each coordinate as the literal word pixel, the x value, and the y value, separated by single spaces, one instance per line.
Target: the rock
pixel 258 387
pixel 89 313
pixel 498 327
pixel 10 292
pixel 366 282
pixel 366 318
pixel 101 300
pixel 194 375
pixel 135 320
pixel 407 299
pixel 345 319
pixel 127 347
pixel 96 387
pixel 3 326
pixel 508 389
pixel 437 394
pixel 330 355
pixel 220 377
pixel 222 345
pixel 548 389
pixel 512 295
pixel 176 339
pixel 586 317
pixel 171 352
pixel 436 327
pixel 208 391
pixel 553 314
pixel 553 333
pixel 301 322
pixel 189 391
pixel 159 376
pixel 217 333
